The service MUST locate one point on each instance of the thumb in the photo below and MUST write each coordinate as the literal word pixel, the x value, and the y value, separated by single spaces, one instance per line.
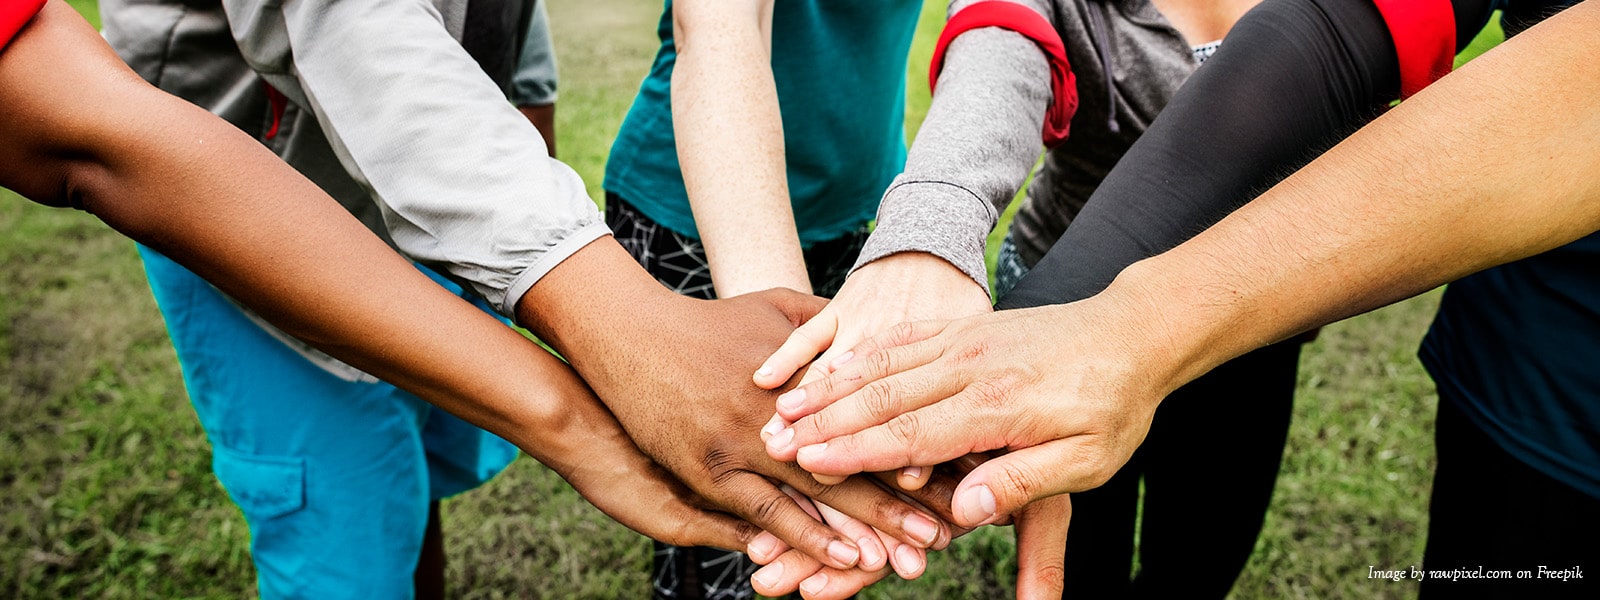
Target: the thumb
pixel 1042 547
pixel 798 307
pixel 1008 483
pixel 800 348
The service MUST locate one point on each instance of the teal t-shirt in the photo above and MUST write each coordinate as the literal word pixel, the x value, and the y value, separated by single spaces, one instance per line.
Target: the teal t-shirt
pixel 840 69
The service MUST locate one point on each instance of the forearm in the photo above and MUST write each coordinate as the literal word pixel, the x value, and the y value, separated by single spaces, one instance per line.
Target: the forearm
pixel 730 146
pixel 1461 177
pixel 543 118
pixel 170 175
pixel 971 154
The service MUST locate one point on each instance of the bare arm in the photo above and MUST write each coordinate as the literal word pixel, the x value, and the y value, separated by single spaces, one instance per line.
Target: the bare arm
pixel 730 145
pixel 80 128
pixel 1495 163
pixel 1491 164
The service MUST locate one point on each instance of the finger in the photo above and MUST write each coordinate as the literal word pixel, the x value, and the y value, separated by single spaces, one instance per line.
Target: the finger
pixel 1007 483
pixel 712 529
pixel 785 575
pixel 829 479
pixel 909 562
pixel 766 547
pixel 912 478
pixel 767 507
pixel 1042 547
pixel 935 497
pixel 964 423
pixel 879 508
pixel 899 335
pixel 876 403
pixel 832 584
pixel 873 554
pixel 851 375
pixel 802 347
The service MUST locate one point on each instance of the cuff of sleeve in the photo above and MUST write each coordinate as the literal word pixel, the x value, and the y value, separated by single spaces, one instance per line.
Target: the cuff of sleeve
pixel 942 219
pixel 548 261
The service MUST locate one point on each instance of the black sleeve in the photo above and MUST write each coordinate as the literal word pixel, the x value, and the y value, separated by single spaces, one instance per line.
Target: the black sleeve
pixel 1292 78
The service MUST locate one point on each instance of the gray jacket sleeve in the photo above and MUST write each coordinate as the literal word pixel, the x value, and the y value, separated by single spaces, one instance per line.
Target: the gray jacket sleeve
pixel 973 152
pixel 463 180
pixel 534 82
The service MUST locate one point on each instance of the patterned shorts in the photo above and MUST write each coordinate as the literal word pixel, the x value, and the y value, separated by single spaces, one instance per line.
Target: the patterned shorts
pixel 679 262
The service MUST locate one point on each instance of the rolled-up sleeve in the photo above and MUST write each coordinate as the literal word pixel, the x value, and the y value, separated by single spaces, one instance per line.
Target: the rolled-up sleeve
pixel 463 180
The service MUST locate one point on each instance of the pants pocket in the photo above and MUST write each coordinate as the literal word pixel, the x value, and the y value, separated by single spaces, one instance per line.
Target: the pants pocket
pixel 264 487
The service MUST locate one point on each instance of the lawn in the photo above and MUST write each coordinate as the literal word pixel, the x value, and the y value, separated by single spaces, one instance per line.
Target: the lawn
pixel 106 490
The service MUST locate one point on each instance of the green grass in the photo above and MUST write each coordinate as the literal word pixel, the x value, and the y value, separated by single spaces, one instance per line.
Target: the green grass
pixel 106 490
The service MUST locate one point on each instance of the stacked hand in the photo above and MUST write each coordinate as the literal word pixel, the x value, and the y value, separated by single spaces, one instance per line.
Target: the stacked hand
pixel 673 370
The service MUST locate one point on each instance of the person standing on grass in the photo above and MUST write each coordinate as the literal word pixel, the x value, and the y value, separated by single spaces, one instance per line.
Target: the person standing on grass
pixel 1303 73
pixel 1093 76
pixel 81 130
pixel 753 157
pixel 1494 164
pixel 241 372
pixel 399 111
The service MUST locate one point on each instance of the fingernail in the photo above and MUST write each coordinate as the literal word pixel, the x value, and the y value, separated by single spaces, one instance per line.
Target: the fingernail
pixel 813 585
pixel 921 529
pixel 908 562
pixel 780 441
pixel 844 553
pixel 773 427
pixel 911 473
pixel 792 399
pixel 871 555
pixel 840 360
pixel 770 575
pixel 812 452
pixel 977 505
pixel 764 371
pixel 761 548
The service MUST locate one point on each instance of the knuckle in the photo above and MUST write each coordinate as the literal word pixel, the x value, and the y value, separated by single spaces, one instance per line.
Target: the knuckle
pixel 880 363
pixel 991 394
pixel 972 352
pixel 1020 480
pixel 901 334
pixel 818 425
pixel 878 401
pixel 721 466
pixel 767 507
pixel 905 429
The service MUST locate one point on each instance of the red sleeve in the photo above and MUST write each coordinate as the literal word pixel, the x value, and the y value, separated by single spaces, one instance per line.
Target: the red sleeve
pixel 13 15
pixel 1424 33
pixel 1032 25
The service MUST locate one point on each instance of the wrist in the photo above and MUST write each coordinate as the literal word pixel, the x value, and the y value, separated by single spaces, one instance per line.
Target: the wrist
pixel 591 295
pixel 1163 330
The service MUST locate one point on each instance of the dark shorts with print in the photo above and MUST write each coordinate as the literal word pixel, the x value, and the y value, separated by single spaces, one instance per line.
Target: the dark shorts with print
pixel 679 262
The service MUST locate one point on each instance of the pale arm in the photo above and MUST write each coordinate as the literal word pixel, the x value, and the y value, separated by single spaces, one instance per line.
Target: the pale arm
pixel 730 145
pixel 1491 164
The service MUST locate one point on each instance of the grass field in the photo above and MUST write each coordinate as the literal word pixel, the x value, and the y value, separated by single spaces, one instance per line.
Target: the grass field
pixel 106 491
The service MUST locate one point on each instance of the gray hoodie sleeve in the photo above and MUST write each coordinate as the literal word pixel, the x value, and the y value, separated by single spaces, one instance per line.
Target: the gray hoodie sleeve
pixel 974 150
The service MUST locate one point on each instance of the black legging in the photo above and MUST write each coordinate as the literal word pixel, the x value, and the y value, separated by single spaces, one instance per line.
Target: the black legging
pixel 1293 77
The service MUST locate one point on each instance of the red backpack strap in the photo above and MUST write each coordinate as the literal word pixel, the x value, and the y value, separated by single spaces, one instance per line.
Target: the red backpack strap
pixel 1424 33
pixel 13 15
pixel 278 102
pixel 1032 25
